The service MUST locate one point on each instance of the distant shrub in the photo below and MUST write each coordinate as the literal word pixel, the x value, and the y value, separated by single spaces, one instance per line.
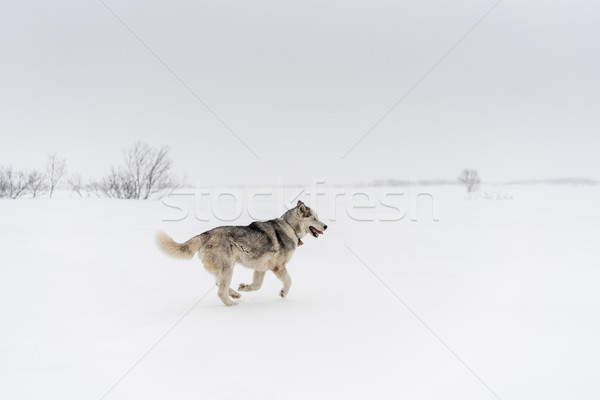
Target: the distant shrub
pixel 13 183
pixel 55 170
pixel 470 178
pixel 145 171
pixel 36 183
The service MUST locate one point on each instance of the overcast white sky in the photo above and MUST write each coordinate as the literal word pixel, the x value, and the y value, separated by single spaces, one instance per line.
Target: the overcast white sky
pixel 301 82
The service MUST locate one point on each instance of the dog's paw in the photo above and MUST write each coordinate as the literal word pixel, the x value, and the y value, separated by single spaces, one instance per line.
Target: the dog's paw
pixel 282 293
pixel 236 295
pixel 243 287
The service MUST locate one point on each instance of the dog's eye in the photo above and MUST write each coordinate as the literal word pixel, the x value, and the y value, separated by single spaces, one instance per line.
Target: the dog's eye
pixel 314 219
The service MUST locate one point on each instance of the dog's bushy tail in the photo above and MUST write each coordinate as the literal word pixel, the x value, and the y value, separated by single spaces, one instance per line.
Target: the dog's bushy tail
pixel 178 250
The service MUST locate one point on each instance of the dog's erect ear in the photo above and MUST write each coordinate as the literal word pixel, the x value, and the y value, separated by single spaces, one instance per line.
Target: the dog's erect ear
pixel 301 208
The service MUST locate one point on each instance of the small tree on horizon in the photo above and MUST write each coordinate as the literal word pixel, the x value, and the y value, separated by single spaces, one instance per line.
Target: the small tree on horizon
pixel 55 169
pixel 75 184
pixel 470 178
pixel 13 183
pixel 36 183
pixel 145 172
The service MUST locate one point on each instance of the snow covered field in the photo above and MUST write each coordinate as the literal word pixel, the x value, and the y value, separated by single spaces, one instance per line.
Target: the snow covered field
pixel 498 296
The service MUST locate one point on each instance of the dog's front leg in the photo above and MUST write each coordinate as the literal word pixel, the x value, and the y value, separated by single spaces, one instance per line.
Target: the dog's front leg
pixel 284 277
pixel 257 281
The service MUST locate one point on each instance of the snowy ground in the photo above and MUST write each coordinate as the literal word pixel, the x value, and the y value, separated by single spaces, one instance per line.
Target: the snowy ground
pixel 90 309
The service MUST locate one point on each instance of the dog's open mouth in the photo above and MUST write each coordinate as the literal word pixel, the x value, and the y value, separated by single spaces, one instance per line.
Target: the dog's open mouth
pixel 315 232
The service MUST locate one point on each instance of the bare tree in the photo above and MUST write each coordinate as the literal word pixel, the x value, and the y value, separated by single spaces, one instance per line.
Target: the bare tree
pixel 55 168
pixel 118 185
pixel 36 183
pixel 470 178
pixel 95 188
pixel 75 184
pixel 157 177
pixel 3 184
pixel 13 183
pixel 145 172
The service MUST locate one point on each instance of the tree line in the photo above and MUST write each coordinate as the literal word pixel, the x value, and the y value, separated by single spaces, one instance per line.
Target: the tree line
pixel 145 171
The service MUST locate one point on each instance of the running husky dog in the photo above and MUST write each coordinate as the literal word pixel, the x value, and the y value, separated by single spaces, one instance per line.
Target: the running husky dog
pixel 262 246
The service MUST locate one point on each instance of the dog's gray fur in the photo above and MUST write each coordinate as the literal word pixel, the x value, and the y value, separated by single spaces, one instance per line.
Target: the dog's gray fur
pixel 262 246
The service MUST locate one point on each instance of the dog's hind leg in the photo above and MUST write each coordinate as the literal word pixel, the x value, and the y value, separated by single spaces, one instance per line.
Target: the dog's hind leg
pixel 257 282
pixel 282 274
pixel 223 282
pixel 222 269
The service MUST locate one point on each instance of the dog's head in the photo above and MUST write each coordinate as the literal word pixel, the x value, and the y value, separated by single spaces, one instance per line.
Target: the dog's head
pixel 308 220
